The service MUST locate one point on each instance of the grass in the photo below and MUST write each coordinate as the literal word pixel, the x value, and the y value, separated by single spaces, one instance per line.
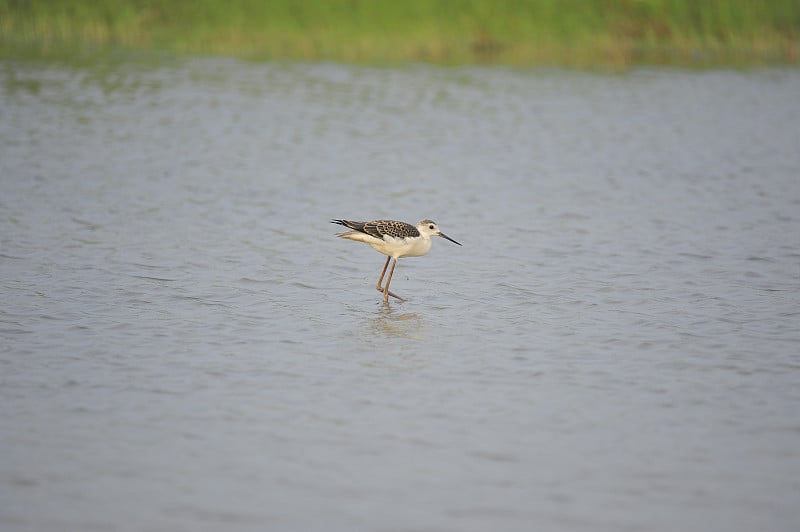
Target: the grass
pixel 583 33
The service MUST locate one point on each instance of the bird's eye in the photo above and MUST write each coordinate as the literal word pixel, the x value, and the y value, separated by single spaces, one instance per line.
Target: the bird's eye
pixel 430 226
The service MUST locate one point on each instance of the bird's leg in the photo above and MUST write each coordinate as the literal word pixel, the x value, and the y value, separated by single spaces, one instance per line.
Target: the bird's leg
pixel 386 292
pixel 379 288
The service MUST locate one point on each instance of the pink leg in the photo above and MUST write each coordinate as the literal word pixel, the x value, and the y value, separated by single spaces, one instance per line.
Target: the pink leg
pixel 386 292
pixel 379 288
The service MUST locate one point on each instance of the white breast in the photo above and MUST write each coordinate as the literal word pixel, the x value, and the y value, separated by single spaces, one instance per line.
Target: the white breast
pixel 417 248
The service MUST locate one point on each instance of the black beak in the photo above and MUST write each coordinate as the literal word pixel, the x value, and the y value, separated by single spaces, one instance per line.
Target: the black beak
pixel 448 238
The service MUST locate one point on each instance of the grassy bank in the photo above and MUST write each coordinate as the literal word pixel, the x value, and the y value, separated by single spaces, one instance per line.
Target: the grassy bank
pixel 610 33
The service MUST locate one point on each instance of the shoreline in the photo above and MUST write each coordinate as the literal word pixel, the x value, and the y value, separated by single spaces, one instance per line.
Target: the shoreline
pixel 605 35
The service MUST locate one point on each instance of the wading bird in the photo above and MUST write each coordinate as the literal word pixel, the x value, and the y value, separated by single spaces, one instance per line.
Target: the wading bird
pixel 395 239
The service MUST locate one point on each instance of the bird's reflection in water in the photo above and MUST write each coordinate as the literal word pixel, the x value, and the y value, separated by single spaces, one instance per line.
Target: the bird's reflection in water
pixel 392 338
pixel 392 323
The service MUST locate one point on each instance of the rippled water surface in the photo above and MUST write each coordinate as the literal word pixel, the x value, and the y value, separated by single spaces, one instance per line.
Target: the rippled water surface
pixel 185 344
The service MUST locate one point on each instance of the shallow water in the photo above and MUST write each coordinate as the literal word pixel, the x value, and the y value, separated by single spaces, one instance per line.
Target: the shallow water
pixel 184 344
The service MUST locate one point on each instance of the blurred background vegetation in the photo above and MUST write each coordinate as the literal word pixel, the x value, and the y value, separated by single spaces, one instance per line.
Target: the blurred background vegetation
pixel 582 33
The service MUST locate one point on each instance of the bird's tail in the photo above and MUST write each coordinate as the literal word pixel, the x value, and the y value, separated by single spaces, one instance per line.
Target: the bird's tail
pixel 356 226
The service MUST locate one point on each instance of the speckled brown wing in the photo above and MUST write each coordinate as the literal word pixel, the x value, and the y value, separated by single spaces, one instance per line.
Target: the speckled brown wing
pixel 379 228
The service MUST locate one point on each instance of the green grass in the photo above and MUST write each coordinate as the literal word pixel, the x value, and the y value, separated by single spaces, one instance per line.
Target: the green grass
pixel 606 33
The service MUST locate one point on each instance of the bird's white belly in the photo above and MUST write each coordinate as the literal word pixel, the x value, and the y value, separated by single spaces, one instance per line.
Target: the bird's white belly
pixel 420 247
pixel 402 247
